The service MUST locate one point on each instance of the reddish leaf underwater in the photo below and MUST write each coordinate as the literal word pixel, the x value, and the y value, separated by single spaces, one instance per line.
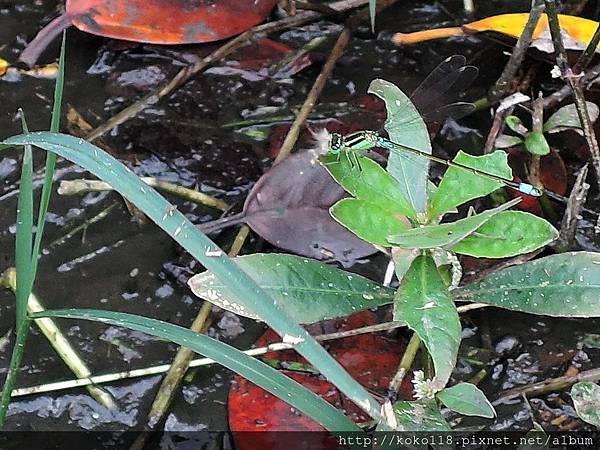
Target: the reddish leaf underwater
pixel 372 359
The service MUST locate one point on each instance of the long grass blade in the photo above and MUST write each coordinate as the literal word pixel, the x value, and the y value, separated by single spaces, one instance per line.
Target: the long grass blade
pixel 257 372
pixel 163 213
pixel 50 159
pixel 23 248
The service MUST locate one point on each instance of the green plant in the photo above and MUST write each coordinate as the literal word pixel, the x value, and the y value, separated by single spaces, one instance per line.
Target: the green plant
pixel 400 209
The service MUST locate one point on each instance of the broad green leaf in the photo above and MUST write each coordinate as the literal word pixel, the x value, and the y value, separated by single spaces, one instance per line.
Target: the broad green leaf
pixel 420 415
pixel 586 398
pixel 446 234
pixel 458 186
pixel 308 291
pixel 405 127
pixel 567 117
pixel 424 303
pixel 180 229
pixel 536 143
pixel 515 124
pixel 506 141
pixel 368 221
pixel 509 233
pixel 369 182
pixel 563 285
pixel 467 399
pixel 257 372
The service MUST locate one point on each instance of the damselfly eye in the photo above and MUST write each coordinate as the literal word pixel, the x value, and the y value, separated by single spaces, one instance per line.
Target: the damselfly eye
pixel 336 142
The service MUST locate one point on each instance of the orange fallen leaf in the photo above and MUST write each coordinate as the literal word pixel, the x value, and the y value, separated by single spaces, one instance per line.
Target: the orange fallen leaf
pixel 577 31
pixel 3 66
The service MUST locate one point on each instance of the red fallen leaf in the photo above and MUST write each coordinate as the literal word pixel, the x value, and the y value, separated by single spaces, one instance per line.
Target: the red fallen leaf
pixel 372 359
pixel 154 21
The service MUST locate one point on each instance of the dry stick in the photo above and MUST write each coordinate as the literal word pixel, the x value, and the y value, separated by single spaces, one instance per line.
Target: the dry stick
pixel 568 226
pixel 574 81
pixel 500 88
pixel 319 84
pixel 156 370
pixel 588 54
pixel 497 124
pixel 58 340
pixel 549 385
pixel 81 186
pixel 313 95
pixel 190 71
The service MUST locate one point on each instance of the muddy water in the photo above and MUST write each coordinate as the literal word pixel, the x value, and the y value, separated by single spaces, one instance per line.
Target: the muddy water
pixel 120 265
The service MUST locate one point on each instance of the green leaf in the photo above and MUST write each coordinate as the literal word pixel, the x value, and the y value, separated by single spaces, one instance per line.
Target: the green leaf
pixel 446 234
pixel 372 12
pixel 567 117
pixel 367 220
pixel 467 399
pixel 506 141
pixel 368 182
pixel 160 211
pixel 420 415
pixel 507 234
pixel 257 372
pixel 405 127
pixel 536 143
pixel 586 398
pixel 515 124
pixel 564 285
pixel 307 290
pixel 458 186
pixel 423 302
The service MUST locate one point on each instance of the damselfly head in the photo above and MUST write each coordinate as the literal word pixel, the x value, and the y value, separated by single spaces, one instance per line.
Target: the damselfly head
pixel 323 141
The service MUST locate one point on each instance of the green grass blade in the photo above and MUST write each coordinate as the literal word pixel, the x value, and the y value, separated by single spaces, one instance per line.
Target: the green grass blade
pixel 23 244
pixel 50 160
pixel 257 372
pixel 372 13
pixel 204 250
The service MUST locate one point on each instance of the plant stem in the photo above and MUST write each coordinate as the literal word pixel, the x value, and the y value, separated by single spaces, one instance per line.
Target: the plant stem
pixel 574 81
pixel 501 86
pixel 405 363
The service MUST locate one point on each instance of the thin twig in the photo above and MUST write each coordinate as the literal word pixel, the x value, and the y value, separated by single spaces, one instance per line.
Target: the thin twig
pixel 319 84
pixel 549 385
pixel 588 54
pixel 500 88
pixel 59 341
pixel 568 226
pixel 156 370
pixel 574 81
pixel 313 95
pixel 190 71
pixel 76 187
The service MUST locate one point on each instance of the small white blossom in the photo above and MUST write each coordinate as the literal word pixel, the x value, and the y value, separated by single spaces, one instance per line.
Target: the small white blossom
pixel 322 139
pixel 422 387
pixel 555 72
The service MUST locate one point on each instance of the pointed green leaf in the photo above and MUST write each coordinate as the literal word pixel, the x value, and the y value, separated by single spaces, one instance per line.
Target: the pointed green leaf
pixel 424 303
pixel 515 124
pixel 405 127
pixel 367 220
pixel 257 372
pixel 567 117
pixel 564 285
pixel 458 186
pixel 308 291
pixel 506 141
pixel 467 399
pixel 368 181
pixel 507 234
pixel 446 234
pixel 586 398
